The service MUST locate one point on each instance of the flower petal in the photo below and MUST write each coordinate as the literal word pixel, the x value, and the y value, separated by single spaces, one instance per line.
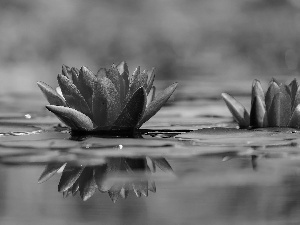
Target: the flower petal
pixel 157 103
pixel 295 118
pixel 271 92
pixel 72 118
pixel 293 87
pixel 280 110
pixel 118 81
pixel 151 95
pixel 237 110
pixel 100 175
pixel 151 74
pixel 135 73
pixel 52 96
pixel 87 184
pixel 296 99
pixel 258 115
pixel 106 106
pixel 85 84
pixel 257 91
pixel 138 81
pixel 124 73
pixel 72 95
pixel 133 111
pixel 162 163
pixel 69 177
pixel 49 171
pixel 66 71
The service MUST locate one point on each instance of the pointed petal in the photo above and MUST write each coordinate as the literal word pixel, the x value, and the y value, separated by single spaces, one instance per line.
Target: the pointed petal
pixel 106 105
pixel 101 73
pixel 75 187
pixel 85 85
pixel 237 110
pixel 152 187
pixel 280 110
pixel 151 95
pixel 162 163
pixel 296 99
pixel 87 184
pixel 124 72
pixel 151 74
pixel 52 96
pixel 66 71
pixel 295 118
pixel 72 118
pixel 271 92
pixel 133 111
pixel 72 95
pixel 293 86
pixel 124 192
pixel 157 103
pixel 117 80
pixel 138 81
pixel 68 177
pixel 100 175
pixel 275 81
pixel 135 73
pixel 258 115
pixel 114 193
pixel 257 91
pixel 49 171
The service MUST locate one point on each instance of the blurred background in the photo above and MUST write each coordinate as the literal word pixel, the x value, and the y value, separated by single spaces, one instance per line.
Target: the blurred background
pixel 227 39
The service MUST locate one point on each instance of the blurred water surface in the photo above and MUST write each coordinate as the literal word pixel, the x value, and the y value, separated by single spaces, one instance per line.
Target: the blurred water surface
pixel 189 165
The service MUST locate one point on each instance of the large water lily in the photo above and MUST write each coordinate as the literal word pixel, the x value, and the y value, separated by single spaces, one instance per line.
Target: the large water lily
pixel 133 173
pixel 278 107
pixel 109 100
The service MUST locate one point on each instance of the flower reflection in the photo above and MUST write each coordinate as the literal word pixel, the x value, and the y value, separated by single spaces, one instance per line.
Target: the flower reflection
pixel 117 176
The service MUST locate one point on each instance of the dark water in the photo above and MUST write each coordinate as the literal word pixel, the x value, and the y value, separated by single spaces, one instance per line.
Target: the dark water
pixel 190 165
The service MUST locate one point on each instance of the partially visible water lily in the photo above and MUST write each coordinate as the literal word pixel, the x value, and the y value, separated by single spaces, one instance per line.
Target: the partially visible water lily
pixel 107 101
pixel 117 176
pixel 278 107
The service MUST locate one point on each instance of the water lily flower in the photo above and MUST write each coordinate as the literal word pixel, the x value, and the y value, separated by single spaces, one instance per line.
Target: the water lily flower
pixel 278 107
pixel 111 100
pixel 133 174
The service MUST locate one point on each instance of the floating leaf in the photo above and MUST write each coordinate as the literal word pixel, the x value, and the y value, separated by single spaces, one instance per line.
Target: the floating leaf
pixel 76 120
pixel 52 96
pixel 238 111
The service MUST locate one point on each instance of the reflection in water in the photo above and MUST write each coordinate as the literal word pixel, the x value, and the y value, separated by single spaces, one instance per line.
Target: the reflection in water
pixel 118 177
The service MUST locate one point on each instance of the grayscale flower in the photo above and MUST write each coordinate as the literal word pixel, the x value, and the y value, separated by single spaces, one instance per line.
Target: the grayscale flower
pixel 278 107
pixel 111 100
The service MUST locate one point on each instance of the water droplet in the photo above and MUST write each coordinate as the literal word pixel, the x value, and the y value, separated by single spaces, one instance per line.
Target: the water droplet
pixel 28 116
